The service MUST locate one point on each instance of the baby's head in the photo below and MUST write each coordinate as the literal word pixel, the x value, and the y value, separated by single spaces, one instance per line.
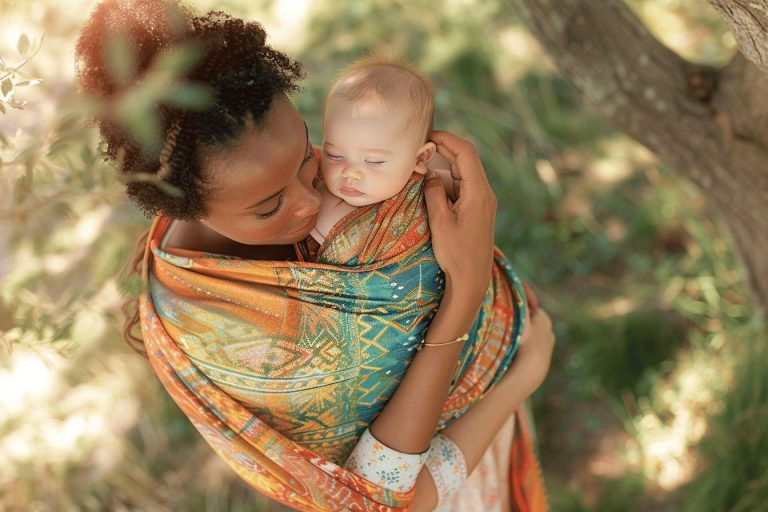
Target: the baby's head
pixel 378 117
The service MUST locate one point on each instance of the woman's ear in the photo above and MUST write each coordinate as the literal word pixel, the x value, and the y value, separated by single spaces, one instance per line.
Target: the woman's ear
pixel 425 154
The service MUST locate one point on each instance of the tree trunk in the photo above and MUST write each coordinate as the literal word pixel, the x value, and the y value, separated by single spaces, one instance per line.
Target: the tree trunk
pixel 709 124
pixel 749 25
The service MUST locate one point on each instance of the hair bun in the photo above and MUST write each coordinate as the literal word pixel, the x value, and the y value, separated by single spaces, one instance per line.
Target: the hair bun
pixel 147 26
pixel 157 137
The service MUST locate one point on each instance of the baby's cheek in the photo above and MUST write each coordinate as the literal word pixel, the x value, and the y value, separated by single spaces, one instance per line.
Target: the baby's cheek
pixel 390 186
pixel 328 171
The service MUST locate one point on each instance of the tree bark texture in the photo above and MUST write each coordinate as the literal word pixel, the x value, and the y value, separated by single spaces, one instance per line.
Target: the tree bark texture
pixel 748 21
pixel 709 124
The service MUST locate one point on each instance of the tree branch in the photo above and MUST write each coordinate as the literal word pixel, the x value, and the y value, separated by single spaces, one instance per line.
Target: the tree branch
pixel 748 22
pixel 707 123
pixel 629 78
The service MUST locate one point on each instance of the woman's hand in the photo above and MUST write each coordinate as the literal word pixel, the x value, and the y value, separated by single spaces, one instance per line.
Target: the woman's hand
pixel 462 231
pixel 533 358
pixel 462 239
pixel 475 430
pixel 532 304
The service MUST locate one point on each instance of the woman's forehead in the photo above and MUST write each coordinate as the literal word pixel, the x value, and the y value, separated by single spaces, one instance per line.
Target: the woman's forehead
pixel 263 158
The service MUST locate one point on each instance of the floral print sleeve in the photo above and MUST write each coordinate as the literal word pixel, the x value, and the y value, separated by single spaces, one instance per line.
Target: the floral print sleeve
pixel 380 464
pixel 447 466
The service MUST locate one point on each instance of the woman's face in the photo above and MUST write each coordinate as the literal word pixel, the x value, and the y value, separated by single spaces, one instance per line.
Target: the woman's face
pixel 261 189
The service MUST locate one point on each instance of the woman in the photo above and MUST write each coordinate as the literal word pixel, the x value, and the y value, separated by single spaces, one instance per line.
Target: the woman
pixel 246 168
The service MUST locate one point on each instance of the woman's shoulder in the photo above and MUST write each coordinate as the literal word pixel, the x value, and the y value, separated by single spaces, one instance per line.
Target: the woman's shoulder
pixel 194 236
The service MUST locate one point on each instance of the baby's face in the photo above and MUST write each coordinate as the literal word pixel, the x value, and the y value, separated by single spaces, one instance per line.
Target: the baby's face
pixel 369 152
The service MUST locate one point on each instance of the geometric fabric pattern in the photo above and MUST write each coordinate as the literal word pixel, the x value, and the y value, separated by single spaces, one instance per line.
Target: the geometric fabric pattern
pixel 282 365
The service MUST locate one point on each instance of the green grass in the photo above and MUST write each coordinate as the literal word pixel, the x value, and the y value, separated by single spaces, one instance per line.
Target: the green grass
pixel 734 453
pixel 637 271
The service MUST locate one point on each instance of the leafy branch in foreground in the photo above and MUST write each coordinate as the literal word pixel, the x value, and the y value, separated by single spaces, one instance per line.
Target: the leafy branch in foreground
pixel 9 75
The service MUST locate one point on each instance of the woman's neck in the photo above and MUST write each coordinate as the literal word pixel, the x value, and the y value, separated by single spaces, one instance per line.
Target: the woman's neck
pixel 196 236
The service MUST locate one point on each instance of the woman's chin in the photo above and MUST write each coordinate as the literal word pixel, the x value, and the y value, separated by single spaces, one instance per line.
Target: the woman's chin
pixel 285 239
pixel 301 233
pixel 298 237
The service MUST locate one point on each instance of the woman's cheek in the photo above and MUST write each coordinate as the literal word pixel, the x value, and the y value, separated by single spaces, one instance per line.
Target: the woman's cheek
pixel 311 168
pixel 263 230
pixel 326 170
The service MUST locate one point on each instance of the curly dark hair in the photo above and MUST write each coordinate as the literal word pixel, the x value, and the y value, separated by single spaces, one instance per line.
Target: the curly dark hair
pixel 243 73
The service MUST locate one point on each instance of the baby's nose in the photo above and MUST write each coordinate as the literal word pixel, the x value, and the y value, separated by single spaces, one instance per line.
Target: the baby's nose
pixel 351 173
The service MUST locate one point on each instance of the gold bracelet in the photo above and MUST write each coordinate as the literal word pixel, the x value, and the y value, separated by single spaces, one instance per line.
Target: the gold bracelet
pixel 425 344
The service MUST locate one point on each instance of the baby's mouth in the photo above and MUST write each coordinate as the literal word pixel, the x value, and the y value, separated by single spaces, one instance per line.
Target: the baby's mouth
pixel 349 191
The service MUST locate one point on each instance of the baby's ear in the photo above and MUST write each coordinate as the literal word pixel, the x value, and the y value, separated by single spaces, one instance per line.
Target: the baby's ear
pixel 425 154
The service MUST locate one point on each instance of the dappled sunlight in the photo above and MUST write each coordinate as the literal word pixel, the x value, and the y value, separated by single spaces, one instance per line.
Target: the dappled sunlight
pixel 688 28
pixel 667 429
pixel 81 234
pixel 51 421
pixel 520 52
pixel 637 271
pixel 615 307
pixel 619 159
pixel 286 21
pixel 608 171
pixel 27 382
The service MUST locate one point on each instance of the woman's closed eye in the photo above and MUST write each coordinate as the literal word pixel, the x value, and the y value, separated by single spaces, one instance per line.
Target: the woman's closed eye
pixel 271 212
pixel 266 215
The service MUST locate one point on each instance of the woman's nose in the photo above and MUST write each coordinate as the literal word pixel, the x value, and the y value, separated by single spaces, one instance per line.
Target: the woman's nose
pixel 310 203
pixel 351 173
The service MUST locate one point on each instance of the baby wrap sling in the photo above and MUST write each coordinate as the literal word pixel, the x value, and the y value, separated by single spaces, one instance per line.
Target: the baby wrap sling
pixel 281 365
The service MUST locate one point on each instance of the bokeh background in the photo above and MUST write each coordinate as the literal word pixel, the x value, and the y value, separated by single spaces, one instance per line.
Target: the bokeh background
pixel 657 397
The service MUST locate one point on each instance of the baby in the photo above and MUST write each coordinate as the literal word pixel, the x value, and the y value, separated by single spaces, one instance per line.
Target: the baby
pixel 378 117
pixel 377 123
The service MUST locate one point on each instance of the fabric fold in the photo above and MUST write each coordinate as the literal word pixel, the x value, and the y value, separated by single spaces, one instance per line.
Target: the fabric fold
pixel 282 365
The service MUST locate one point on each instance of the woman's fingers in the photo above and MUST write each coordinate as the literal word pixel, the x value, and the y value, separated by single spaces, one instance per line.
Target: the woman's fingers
pixel 531 299
pixel 534 358
pixel 462 232
pixel 543 326
pixel 462 154
pixel 438 205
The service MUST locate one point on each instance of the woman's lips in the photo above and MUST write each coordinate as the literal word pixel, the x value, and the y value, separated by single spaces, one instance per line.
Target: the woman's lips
pixel 347 191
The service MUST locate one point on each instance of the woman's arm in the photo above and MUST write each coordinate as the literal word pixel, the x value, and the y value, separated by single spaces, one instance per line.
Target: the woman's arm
pixel 408 421
pixel 474 432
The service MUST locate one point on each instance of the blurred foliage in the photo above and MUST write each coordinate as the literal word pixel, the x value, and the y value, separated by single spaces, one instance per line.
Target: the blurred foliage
pixel 656 399
pixel 735 449
pixel 10 74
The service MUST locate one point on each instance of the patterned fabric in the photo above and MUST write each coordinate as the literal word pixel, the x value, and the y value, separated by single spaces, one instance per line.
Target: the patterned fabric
pixel 377 462
pixel 282 365
pixel 447 466
pixel 487 487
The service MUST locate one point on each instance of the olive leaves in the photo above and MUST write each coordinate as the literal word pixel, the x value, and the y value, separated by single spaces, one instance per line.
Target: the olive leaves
pixel 11 76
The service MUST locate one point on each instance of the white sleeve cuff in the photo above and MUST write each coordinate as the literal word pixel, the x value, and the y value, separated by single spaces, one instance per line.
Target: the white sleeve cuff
pixel 447 465
pixel 384 466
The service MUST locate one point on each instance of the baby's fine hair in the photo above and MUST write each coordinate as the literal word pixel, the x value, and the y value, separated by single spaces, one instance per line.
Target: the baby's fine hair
pixel 393 81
